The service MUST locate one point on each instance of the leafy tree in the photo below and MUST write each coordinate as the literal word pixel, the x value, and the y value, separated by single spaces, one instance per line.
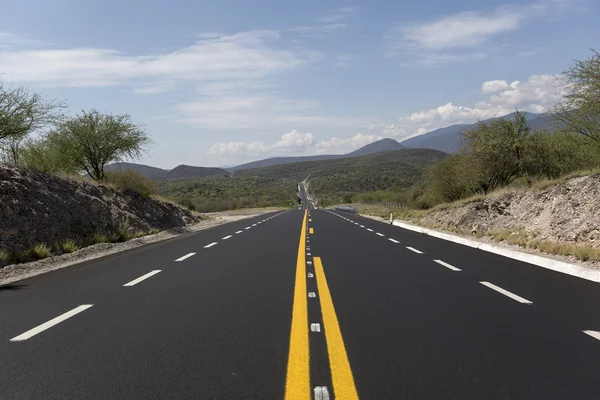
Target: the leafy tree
pixel 23 113
pixel 453 177
pixel 44 155
pixel 498 148
pixel 92 140
pixel 579 112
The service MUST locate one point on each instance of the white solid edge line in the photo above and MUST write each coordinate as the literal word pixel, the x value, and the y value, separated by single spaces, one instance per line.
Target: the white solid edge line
pixel 415 250
pixel 452 267
pixel 51 323
pixel 227 237
pixel 379 234
pixel 143 277
pixel 210 245
pixel 370 230
pixel 238 232
pixel 594 334
pixel 506 292
pixel 185 257
pixel 579 271
pixel 393 240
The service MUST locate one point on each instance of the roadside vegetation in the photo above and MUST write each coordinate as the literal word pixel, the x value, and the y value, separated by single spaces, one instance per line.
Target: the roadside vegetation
pixel 219 193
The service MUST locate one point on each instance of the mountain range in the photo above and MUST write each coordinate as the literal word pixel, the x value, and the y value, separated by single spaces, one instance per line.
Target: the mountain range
pixel 447 140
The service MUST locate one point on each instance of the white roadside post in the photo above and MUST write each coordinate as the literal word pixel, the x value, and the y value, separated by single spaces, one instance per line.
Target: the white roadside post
pixel 391 219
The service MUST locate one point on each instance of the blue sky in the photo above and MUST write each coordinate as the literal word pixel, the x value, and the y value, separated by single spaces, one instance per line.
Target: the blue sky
pixel 221 82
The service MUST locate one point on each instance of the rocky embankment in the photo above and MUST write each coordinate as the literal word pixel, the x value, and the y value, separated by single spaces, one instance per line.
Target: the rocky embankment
pixel 37 208
pixel 561 219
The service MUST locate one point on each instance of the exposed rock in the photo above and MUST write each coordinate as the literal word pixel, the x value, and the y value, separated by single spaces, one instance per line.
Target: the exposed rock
pixel 39 208
pixel 567 212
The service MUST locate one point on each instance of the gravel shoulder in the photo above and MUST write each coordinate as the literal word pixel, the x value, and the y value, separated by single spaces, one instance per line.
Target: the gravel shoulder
pixel 16 272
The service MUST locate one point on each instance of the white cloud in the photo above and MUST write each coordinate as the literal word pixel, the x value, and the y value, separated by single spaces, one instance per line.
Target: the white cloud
pixel 494 86
pixel 338 14
pixel 465 29
pixel 337 145
pixel 291 142
pixel 246 55
pixel 452 38
pixel 536 95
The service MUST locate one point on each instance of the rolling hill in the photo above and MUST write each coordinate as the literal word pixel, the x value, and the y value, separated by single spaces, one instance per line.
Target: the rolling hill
pixel 448 139
pixel 375 147
pixel 179 172
pixel 276 184
pixel 364 173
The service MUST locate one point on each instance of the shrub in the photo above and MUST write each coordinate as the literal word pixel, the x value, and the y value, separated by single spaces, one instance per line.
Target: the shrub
pixel 40 251
pixel 69 246
pixel 130 180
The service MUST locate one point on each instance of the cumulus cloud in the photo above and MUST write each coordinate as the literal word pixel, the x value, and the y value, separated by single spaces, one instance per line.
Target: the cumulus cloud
pixel 290 142
pixel 293 142
pixel 536 95
pixel 343 145
pixel 494 86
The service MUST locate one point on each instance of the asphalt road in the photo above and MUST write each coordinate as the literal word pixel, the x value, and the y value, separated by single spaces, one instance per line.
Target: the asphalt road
pixel 297 305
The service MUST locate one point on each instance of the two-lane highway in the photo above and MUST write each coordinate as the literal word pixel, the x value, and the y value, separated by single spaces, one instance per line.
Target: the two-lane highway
pixel 303 304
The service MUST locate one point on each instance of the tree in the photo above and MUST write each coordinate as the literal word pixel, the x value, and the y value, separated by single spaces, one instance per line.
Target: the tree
pixel 579 112
pixel 22 113
pixel 499 148
pixel 453 177
pixel 92 140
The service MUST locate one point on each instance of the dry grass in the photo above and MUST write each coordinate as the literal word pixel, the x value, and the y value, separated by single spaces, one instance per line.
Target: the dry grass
pixel 69 246
pixel 528 239
pixel 40 251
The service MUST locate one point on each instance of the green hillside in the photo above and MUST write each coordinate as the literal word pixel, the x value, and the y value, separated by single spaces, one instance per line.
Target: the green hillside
pixel 276 185
pixel 376 171
pixel 222 193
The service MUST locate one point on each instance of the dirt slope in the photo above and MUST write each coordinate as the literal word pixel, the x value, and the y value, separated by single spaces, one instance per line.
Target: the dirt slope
pixel 38 208
pixel 568 212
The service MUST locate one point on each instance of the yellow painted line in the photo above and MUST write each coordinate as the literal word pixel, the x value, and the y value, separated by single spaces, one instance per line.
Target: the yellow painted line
pixel 312 231
pixel 341 374
pixel 297 384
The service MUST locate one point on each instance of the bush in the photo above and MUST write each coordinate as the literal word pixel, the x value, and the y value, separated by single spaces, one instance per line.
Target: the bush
pixel 40 251
pixel 69 246
pixel 130 180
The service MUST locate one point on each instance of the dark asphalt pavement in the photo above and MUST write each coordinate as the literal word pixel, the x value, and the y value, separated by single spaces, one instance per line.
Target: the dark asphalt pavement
pixel 217 325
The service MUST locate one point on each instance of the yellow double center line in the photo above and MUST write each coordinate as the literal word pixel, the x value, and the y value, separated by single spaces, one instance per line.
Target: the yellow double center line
pixel 298 371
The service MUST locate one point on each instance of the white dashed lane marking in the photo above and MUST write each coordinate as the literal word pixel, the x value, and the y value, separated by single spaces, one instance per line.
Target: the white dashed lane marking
pixel 594 334
pixel 452 267
pixel 227 237
pixel 238 232
pixel 248 227
pixel 415 250
pixel 393 240
pixel 143 277
pixel 185 257
pixel 506 293
pixel 47 325
pixel 370 230
pixel 362 226
pixel 379 234
pixel 210 245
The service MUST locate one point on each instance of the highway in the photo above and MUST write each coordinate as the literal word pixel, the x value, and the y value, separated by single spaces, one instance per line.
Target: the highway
pixel 301 304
